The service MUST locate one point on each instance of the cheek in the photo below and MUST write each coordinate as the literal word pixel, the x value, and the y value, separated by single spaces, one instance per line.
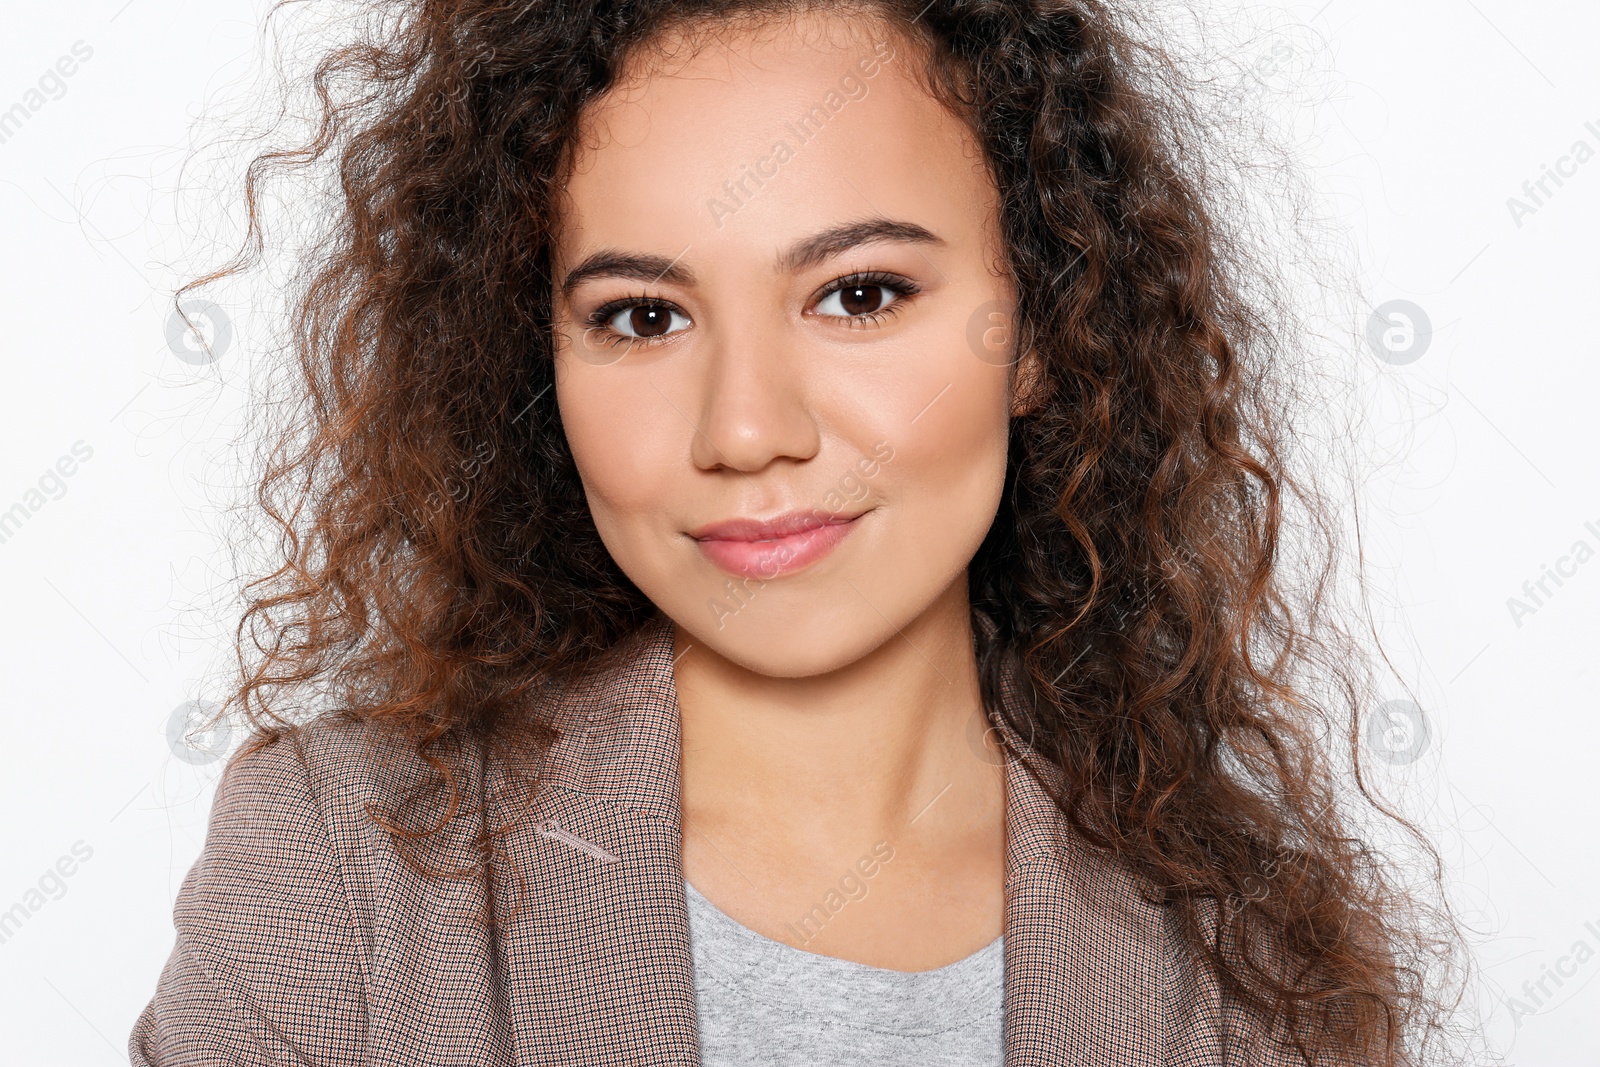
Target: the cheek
pixel 618 442
pixel 955 450
pixel 950 467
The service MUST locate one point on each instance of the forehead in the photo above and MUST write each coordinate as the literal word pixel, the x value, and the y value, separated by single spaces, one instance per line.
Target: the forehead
pixel 750 132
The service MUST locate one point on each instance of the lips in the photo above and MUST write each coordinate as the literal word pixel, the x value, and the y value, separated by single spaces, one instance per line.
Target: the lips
pixel 766 548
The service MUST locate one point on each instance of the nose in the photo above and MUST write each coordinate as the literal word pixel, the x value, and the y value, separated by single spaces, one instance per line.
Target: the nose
pixel 754 404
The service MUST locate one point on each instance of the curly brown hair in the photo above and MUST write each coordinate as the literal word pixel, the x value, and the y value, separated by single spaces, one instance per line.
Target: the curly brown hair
pixel 439 564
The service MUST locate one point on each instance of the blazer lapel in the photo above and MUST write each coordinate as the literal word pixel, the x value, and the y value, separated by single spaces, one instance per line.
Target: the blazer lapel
pixel 597 958
pixel 591 963
pixel 1083 952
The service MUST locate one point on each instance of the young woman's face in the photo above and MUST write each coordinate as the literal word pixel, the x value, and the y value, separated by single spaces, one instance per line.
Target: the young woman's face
pixel 780 296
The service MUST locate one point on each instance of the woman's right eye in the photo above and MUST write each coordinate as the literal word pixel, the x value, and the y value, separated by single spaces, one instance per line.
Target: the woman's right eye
pixel 639 321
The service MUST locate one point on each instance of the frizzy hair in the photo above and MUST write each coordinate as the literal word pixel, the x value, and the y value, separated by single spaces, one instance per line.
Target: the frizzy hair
pixel 437 565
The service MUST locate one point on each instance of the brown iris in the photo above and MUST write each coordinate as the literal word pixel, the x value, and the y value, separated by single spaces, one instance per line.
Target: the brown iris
pixel 854 301
pixel 650 320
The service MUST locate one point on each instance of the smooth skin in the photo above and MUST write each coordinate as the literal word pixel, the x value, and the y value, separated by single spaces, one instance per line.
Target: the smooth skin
pixel 834 708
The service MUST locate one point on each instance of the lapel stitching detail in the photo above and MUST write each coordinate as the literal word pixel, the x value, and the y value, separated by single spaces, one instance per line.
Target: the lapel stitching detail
pixel 552 829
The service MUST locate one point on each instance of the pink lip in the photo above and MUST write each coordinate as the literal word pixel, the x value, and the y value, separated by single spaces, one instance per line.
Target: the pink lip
pixel 765 549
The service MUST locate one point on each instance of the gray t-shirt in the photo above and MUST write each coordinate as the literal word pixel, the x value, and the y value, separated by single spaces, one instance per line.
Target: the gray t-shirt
pixel 763 1003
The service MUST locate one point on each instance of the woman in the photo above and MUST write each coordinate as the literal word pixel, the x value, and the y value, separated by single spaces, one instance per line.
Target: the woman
pixel 785 517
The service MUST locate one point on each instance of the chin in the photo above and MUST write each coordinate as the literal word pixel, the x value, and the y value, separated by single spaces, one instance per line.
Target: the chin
pixel 791 640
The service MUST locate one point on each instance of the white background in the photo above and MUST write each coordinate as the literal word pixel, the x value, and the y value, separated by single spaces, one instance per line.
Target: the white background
pixel 1430 115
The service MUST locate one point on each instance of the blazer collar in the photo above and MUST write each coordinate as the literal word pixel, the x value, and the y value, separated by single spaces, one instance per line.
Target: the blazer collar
pixel 598 964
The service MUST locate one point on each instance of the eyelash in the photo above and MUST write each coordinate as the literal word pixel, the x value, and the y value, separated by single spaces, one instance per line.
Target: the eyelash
pixel 600 318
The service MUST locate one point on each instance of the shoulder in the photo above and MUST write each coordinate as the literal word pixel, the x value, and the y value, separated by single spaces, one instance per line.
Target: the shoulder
pixel 269 960
pixel 286 804
pixel 323 779
pixel 301 814
pixel 288 819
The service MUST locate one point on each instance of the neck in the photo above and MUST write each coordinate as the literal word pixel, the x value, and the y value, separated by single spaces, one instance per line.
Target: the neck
pixel 888 747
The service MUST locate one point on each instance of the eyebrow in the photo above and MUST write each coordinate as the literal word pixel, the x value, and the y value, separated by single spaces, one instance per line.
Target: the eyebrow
pixel 803 254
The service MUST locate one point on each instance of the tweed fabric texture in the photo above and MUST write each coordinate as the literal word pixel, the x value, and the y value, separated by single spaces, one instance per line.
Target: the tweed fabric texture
pixel 304 938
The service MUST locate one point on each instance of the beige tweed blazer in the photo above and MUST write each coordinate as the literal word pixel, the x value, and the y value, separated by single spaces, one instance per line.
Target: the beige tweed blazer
pixel 304 938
